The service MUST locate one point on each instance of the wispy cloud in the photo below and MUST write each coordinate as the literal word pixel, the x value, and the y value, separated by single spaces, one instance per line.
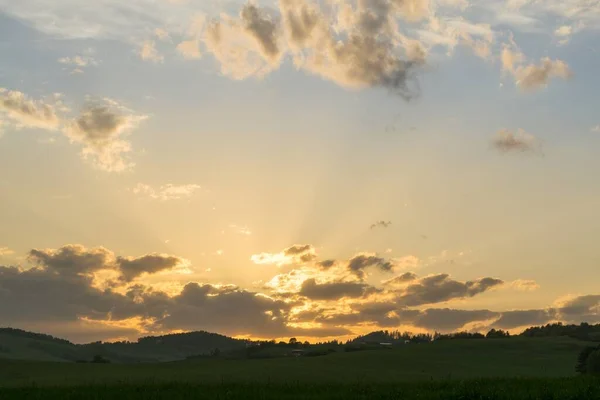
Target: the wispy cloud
pixel 166 192
pixel 23 111
pixel 530 77
pixel 5 251
pixel 381 224
pixel 296 254
pixel 148 52
pixel 242 230
pixel 525 285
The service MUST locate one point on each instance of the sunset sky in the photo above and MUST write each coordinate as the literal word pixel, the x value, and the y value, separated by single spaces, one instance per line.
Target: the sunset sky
pixel 317 169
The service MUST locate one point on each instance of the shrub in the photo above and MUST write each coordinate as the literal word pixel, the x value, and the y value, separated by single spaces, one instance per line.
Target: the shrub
pixel 592 364
pixel 582 359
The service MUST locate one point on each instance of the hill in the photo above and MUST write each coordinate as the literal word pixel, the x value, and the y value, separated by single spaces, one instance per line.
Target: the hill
pixel 22 345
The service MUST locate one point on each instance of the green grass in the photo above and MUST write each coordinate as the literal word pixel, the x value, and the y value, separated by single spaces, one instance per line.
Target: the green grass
pixel 516 368
pixel 491 389
pixel 454 359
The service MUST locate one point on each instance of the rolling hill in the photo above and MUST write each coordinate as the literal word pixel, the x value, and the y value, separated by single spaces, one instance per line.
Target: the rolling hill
pixel 22 345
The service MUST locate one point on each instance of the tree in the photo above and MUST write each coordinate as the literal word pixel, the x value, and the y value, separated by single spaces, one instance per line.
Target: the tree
pixel 98 359
pixel 592 364
pixel 293 341
pixel 581 365
pixel 493 333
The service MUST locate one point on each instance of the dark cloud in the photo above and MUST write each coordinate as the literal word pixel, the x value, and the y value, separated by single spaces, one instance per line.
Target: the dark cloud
pixel 326 264
pixel 101 128
pixel 401 279
pixel 132 267
pixel 381 224
pixel 38 294
pixel 581 308
pixel 360 262
pixel 334 290
pixel 363 51
pixel 304 253
pixel 445 319
pixel 260 27
pixel 519 318
pixel 229 311
pixel 73 259
pixel 388 315
pixel 97 125
pixel 440 288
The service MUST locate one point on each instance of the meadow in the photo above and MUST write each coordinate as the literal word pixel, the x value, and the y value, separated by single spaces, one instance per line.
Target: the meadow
pixel 515 368
pixel 486 389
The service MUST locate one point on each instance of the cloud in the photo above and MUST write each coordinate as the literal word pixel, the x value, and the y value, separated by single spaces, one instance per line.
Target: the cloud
pixel 148 52
pixel 441 288
pixel 5 251
pixel 226 309
pixel 388 315
pixel 533 76
pixel 308 303
pixel 79 61
pixel 326 264
pixel 382 224
pixel 73 259
pixel 401 280
pixel 190 49
pixel 450 32
pixel 78 260
pixel 507 141
pixel 48 296
pixel 166 192
pixel 238 50
pixel 526 285
pixel 447 320
pixel 360 262
pixel 28 113
pixel 579 308
pixel 524 318
pixel 530 77
pixel 363 53
pixel 100 128
pixel 263 30
pixel 162 34
pixel 333 290
pixel 296 254
pixel 133 267
pixel 563 33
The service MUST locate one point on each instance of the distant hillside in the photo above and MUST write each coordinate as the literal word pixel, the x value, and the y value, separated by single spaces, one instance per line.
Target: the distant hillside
pixel 583 331
pixel 23 345
pixel 19 344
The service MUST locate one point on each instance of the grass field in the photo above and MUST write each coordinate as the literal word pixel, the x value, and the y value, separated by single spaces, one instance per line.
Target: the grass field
pixel 490 389
pixel 456 369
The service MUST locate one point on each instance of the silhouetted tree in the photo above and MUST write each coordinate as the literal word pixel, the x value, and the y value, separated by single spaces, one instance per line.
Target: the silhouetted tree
pixel 592 363
pixel 493 333
pixel 98 359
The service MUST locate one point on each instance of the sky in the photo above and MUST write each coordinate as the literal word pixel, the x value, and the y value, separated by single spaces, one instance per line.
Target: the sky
pixel 298 168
